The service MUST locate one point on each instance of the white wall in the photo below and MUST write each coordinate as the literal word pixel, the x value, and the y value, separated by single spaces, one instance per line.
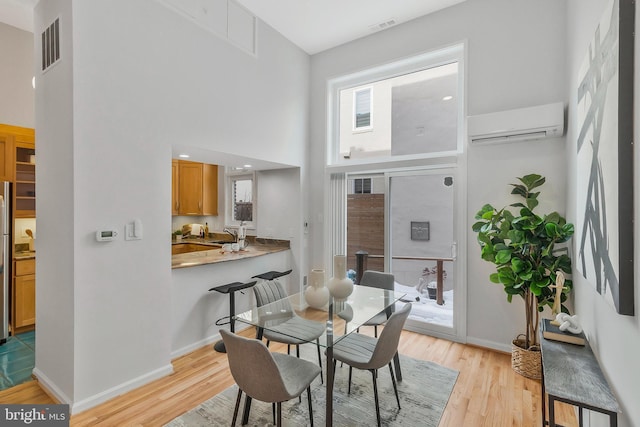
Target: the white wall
pixel 195 309
pixel 16 71
pixel 515 58
pixel 615 339
pixel 134 84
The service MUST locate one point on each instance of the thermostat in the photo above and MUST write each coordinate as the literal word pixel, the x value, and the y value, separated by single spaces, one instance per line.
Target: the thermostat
pixel 106 235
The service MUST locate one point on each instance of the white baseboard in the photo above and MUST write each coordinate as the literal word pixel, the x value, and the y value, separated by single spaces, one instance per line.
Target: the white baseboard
pixel 90 402
pixel 195 346
pixel 202 343
pixel 50 387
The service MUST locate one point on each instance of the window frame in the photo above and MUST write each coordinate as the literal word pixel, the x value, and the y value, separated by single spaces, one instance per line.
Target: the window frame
pixel 231 176
pixel 445 55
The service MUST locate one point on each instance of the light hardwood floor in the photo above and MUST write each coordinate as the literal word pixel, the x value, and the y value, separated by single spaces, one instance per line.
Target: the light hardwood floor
pixel 487 393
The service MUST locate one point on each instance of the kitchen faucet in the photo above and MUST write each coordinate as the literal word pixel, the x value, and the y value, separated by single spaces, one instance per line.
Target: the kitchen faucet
pixel 233 233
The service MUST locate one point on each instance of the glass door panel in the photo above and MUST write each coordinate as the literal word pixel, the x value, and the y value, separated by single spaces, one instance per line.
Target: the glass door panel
pixel 421 244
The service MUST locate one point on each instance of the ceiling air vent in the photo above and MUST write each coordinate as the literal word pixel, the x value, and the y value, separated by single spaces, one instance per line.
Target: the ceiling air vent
pixel 51 45
pixel 383 25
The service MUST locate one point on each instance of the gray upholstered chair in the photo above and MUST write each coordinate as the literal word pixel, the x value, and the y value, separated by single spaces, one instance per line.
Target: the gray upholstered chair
pixel 376 279
pixel 296 330
pixel 369 353
pixel 266 376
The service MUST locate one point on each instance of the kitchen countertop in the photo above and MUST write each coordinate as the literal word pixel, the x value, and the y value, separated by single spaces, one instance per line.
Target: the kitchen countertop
pixel 257 248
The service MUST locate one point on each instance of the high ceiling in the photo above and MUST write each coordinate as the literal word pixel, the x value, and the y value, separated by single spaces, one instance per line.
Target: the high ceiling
pixel 317 25
pixel 313 25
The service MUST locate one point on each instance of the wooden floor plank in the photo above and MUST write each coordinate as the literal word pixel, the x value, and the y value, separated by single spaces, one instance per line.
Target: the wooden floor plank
pixel 487 393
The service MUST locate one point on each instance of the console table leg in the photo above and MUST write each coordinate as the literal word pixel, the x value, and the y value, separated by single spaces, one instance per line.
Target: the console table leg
pixel 544 401
pixel 552 414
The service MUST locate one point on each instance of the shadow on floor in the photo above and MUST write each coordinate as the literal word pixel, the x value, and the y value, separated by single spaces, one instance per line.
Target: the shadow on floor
pixel 17 359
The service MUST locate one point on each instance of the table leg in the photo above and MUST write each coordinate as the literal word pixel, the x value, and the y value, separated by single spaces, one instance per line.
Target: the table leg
pixel 329 397
pixel 552 412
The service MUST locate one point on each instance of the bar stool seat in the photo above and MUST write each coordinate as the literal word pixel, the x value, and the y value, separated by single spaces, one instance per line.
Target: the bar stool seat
pixel 271 275
pixel 231 289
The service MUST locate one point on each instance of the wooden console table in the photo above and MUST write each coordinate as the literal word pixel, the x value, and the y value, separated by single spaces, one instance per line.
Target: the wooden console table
pixel 571 374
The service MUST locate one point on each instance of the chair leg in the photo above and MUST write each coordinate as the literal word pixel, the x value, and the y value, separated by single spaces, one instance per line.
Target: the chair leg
pixel 375 331
pixel 319 360
pixel 350 371
pixel 375 395
pixel 273 411
pixel 235 411
pixel 279 421
pixel 395 387
pixel 268 342
pixel 288 349
pixel 310 405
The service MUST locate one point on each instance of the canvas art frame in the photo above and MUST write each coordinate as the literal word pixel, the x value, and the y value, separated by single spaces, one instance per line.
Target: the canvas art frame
pixel 604 226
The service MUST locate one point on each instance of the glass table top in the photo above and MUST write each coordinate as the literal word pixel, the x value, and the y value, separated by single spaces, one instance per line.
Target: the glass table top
pixel 362 305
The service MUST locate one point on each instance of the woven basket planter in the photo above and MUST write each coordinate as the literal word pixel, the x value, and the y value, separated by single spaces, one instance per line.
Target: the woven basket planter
pixel 526 362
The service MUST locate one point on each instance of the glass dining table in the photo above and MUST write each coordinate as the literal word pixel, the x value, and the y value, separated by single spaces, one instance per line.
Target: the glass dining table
pixel 342 318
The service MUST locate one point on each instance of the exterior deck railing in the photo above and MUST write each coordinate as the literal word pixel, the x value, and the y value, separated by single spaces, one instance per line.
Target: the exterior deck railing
pixel 363 256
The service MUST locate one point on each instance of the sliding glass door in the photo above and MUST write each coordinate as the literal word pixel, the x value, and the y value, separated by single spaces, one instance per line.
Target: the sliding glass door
pixel 406 222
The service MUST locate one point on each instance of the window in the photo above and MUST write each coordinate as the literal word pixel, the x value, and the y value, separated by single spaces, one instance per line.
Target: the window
pixel 362 186
pixel 362 102
pixel 418 105
pixel 241 199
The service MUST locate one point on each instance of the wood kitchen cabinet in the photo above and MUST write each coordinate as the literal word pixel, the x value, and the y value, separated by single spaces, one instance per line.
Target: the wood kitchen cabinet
pixel 174 188
pixel 195 188
pixel 23 296
pixel 17 164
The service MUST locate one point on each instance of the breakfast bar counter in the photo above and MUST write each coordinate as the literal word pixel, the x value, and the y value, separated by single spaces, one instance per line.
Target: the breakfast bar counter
pixel 215 255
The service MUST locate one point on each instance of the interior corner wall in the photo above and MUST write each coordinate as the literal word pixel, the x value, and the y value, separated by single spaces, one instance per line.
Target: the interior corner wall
pixel 515 57
pixel 16 68
pixel 128 86
pixel 614 338
pixel 55 264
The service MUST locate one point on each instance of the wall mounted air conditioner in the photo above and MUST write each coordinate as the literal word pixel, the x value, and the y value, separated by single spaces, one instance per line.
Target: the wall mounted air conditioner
pixel 522 124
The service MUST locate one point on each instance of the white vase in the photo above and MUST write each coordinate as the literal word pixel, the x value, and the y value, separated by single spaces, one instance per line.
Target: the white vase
pixel 340 285
pixel 316 294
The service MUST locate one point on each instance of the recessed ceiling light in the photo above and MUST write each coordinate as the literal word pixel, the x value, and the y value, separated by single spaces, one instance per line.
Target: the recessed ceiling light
pixel 183 156
pixel 447 98
pixel 247 166
pixel 33 82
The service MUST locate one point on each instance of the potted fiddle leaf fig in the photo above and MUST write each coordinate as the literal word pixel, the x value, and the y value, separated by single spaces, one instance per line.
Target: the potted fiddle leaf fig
pixel 524 248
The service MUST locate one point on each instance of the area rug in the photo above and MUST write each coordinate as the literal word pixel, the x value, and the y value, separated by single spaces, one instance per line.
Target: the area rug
pixel 424 391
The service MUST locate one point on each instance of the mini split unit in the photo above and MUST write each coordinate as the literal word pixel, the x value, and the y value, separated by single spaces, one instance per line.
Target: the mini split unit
pixel 523 124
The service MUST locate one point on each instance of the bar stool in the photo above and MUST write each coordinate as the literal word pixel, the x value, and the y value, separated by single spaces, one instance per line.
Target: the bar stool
pixel 231 289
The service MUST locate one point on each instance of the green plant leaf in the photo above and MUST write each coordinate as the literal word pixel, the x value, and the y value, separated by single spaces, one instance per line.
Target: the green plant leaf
pixel 520 190
pixel 532 202
pixel 478 226
pixel 494 278
pixel 516 236
pixel 551 229
pixel 503 256
pixel 485 209
pixel 532 180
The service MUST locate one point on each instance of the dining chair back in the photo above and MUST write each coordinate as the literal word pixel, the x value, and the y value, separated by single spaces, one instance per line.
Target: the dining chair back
pixel 377 279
